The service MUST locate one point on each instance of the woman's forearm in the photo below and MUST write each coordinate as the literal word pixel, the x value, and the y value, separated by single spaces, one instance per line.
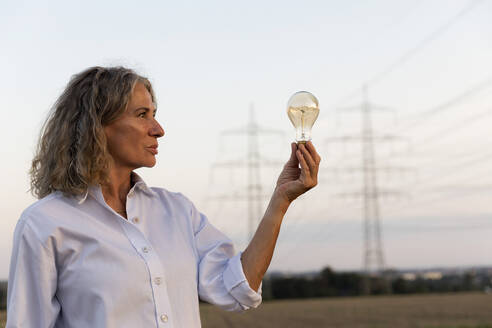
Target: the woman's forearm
pixel 299 174
pixel 257 256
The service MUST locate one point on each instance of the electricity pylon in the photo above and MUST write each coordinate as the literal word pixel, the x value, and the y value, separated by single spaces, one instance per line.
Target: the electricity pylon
pixel 253 163
pixel 370 193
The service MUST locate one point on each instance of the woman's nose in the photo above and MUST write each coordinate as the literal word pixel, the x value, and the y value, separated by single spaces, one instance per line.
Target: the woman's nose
pixel 157 130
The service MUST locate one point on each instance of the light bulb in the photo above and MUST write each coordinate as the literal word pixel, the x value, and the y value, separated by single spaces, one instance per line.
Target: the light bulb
pixel 303 111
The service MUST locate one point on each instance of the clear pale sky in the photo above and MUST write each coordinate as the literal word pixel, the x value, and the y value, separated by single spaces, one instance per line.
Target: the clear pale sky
pixel 210 60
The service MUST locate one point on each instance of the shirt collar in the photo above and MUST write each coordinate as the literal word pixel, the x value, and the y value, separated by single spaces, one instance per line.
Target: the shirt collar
pixel 138 183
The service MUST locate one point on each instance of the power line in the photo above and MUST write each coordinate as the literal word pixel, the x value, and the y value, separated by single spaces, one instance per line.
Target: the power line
pixel 431 112
pixel 398 19
pixel 424 115
pixel 445 132
pixel 423 43
pixel 405 57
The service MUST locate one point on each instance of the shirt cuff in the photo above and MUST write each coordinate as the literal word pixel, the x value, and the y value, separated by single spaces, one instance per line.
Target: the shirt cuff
pixel 237 285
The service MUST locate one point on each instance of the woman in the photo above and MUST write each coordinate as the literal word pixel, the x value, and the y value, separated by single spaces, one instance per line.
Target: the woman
pixel 102 249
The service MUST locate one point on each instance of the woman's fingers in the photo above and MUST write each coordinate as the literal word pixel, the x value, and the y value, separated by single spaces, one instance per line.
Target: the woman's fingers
pixel 314 153
pixel 313 167
pixel 304 166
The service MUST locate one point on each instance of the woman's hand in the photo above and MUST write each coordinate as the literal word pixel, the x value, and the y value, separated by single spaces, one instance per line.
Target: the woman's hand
pixel 294 180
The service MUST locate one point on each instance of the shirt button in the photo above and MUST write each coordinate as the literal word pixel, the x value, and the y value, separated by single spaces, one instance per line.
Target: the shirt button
pixel 164 318
pixel 136 220
pixel 157 280
pixel 145 249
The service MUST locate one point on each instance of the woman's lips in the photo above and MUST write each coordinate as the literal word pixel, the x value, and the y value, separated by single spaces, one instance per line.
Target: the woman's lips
pixel 153 150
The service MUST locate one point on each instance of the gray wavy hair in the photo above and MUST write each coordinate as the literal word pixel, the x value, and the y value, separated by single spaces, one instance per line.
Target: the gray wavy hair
pixel 72 150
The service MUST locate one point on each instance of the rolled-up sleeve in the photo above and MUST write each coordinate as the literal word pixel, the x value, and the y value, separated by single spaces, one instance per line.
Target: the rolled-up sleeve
pixel 31 300
pixel 237 285
pixel 221 279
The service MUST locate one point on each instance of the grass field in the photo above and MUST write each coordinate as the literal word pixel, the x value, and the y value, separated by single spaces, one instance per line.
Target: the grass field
pixel 464 310
pixel 443 311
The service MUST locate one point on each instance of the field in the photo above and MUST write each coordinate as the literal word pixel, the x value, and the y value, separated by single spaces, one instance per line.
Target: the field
pixel 464 310
pixel 443 311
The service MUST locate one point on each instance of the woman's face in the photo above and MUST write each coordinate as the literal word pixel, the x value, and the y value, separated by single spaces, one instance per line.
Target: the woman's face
pixel 132 138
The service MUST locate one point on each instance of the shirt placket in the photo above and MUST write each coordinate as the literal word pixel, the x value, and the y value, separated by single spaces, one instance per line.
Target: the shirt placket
pixel 154 265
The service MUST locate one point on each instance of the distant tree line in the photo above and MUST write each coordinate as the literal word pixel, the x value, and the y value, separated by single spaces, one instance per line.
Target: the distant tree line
pixel 3 295
pixel 329 283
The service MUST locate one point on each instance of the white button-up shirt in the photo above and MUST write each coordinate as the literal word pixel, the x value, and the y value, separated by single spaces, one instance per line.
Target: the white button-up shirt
pixel 77 263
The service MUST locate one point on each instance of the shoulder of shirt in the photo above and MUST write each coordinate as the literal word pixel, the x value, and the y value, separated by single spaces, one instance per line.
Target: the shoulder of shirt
pixel 41 206
pixel 172 195
pixel 183 202
pixel 38 217
pixel 176 198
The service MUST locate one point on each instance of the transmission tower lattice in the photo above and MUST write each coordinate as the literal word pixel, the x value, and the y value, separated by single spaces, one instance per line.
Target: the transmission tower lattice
pixel 370 193
pixel 373 248
pixel 253 162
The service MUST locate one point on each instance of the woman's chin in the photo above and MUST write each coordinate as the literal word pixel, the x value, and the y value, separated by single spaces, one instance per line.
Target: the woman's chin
pixel 150 163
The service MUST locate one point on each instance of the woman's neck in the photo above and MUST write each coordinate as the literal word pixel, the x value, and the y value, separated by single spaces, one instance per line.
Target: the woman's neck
pixel 116 190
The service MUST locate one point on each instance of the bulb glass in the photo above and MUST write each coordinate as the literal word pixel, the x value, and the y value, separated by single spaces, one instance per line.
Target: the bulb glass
pixel 303 110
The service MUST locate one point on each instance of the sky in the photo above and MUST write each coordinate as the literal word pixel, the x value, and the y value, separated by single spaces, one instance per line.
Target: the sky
pixel 426 63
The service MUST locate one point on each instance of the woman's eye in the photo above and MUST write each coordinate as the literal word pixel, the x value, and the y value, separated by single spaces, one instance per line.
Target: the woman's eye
pixel 142 114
